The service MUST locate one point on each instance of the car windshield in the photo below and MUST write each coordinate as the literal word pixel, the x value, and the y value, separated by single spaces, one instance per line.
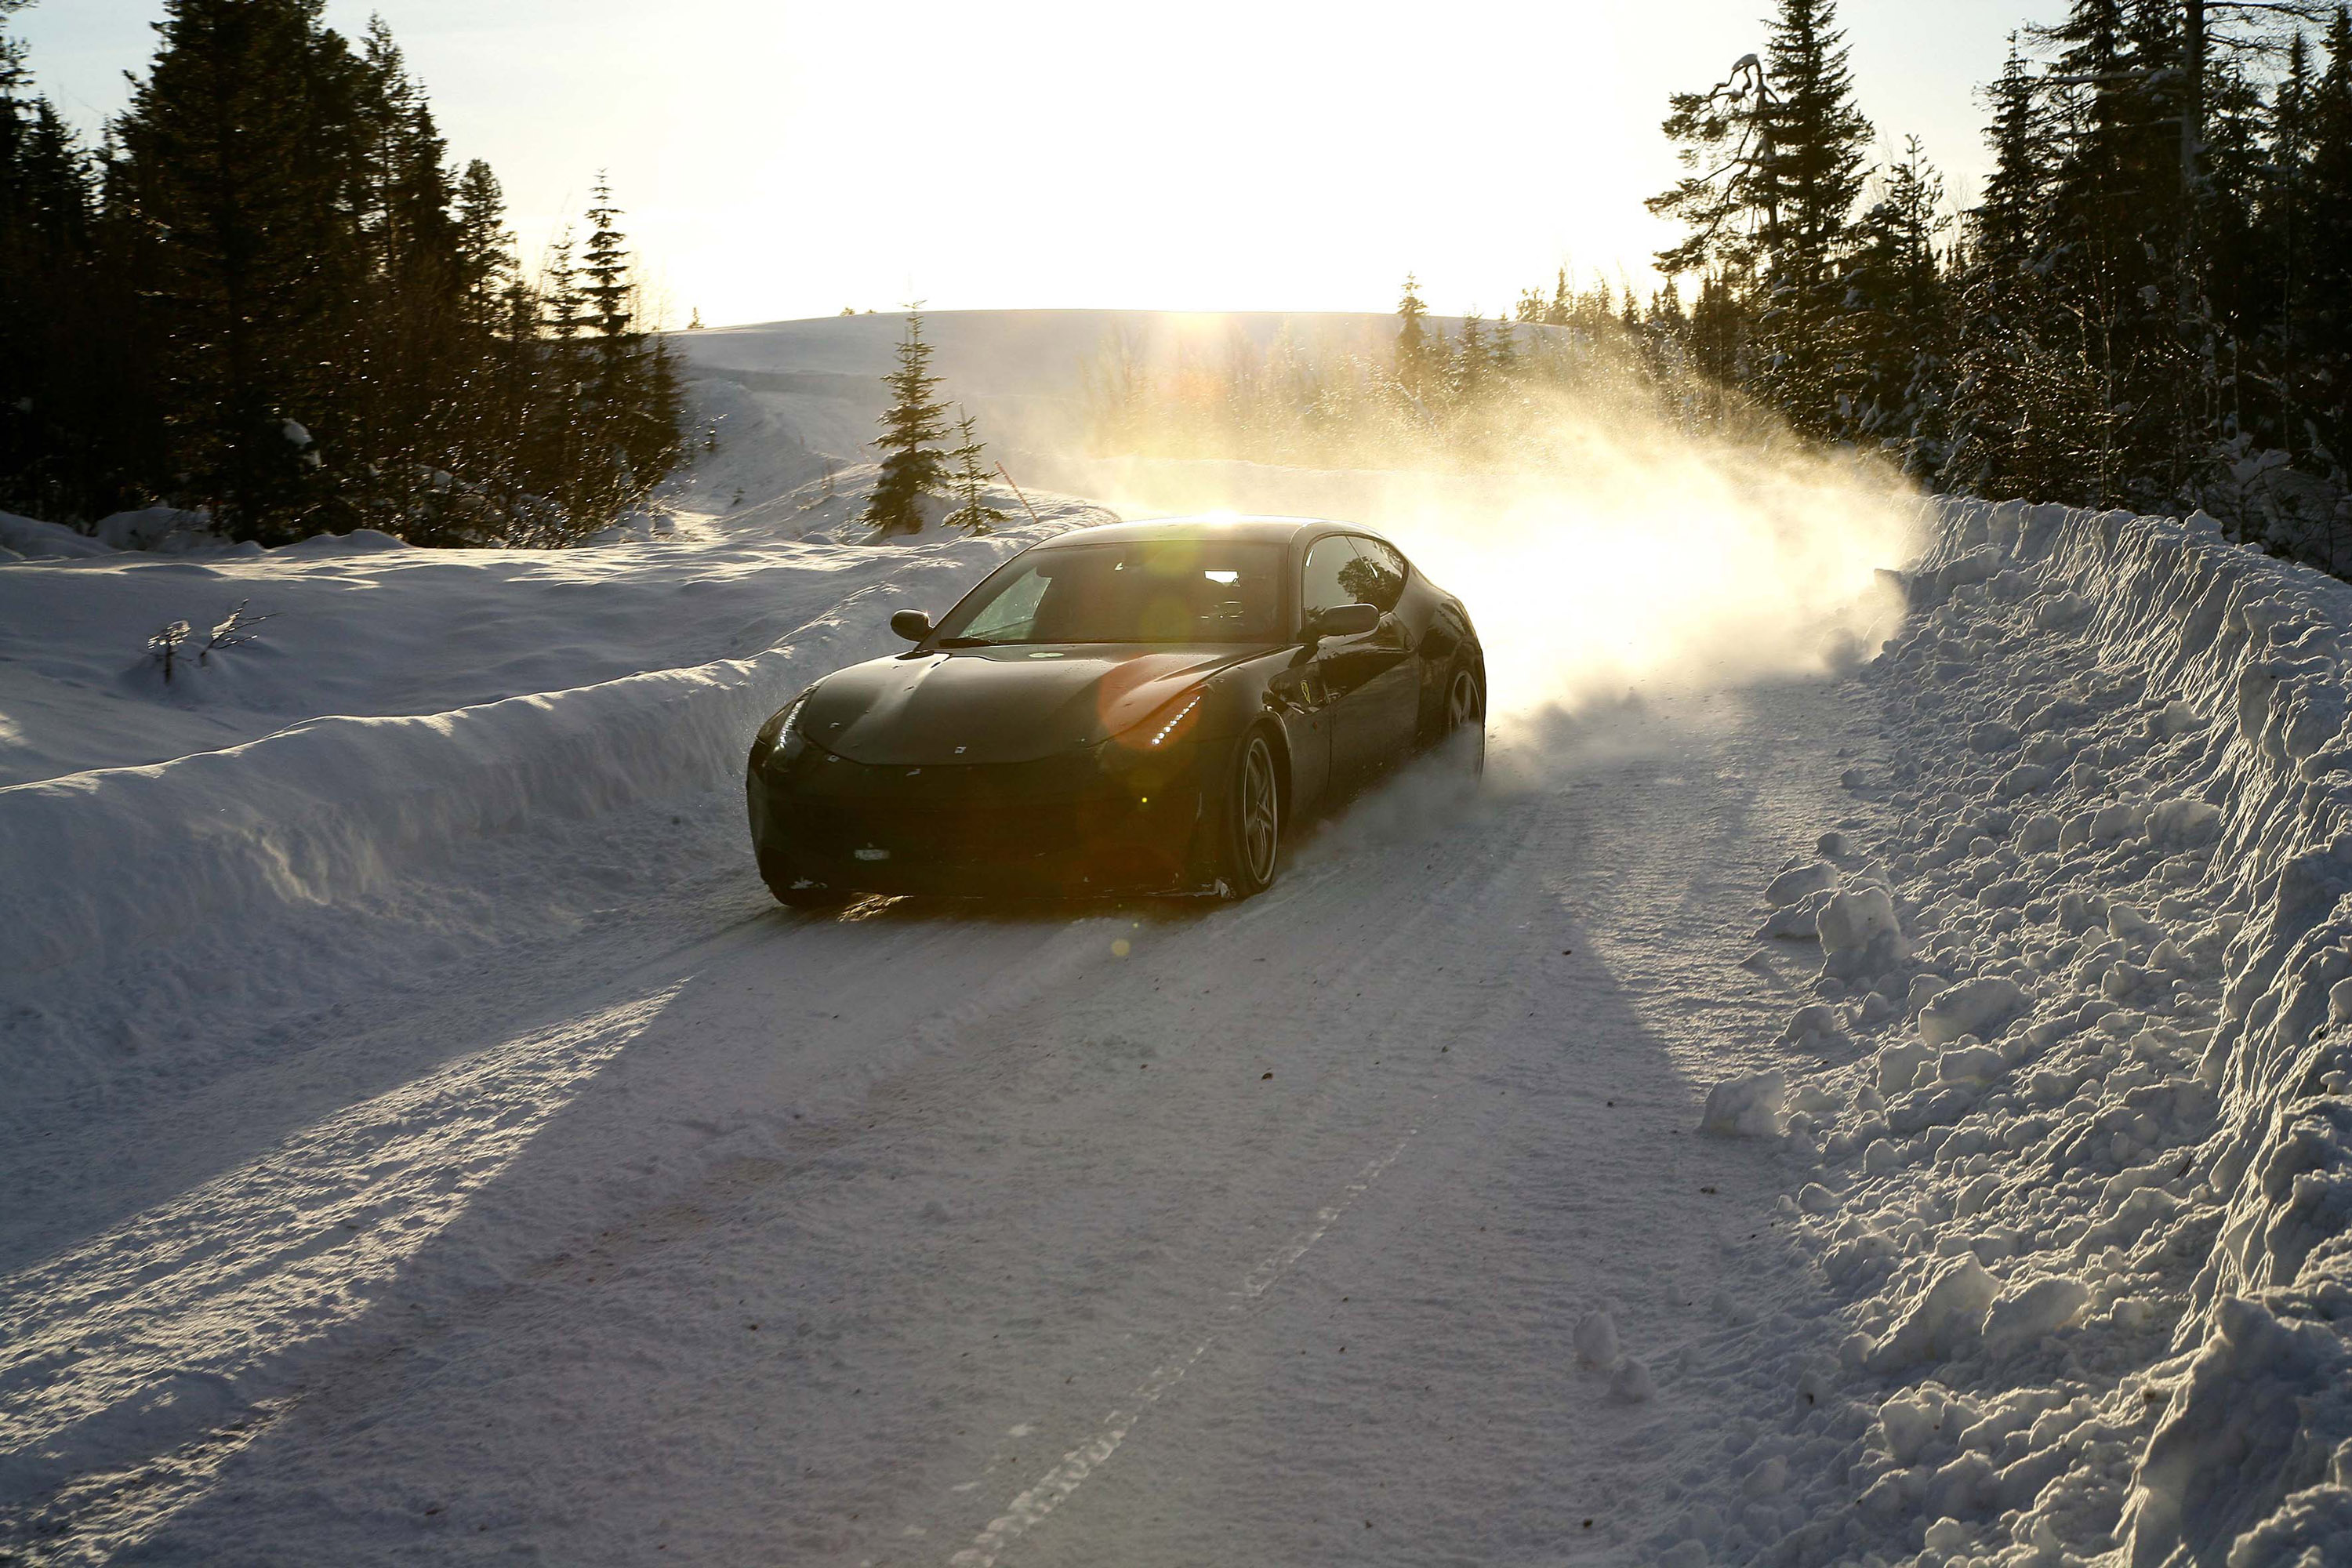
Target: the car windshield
pixel 1161 591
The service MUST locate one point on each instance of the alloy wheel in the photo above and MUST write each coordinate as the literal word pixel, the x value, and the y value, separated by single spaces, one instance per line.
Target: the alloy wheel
pixel 1261 812
pixel 1464 712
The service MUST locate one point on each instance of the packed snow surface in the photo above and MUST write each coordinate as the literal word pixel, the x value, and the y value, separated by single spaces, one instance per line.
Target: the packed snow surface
pixel 1864 1081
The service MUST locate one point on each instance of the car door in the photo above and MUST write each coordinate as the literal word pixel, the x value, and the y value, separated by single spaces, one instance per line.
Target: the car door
pixel 1383 716
pixel 1340 667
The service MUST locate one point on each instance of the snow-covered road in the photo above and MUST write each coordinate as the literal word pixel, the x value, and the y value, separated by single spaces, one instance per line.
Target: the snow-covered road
pixel 922 1235
pixel 420 1137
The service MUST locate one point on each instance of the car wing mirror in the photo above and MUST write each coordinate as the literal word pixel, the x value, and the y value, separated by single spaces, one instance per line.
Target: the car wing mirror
pixel 1343 621
pixel 912 625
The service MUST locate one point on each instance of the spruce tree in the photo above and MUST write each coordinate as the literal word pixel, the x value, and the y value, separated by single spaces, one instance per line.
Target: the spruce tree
pixel 1811 169
pixel 913 465
pixel 2324 318
pixel 605 285
pixel 1502 351
pixel 238 155
pixel 1891 323
pixel 1807 177
pixel 1775 153
pixel 2004 308
pixel 485 249
pixel 62 326
pixel 2001 227
pixel 1468 366
pixel 1412 347
pixel 970 481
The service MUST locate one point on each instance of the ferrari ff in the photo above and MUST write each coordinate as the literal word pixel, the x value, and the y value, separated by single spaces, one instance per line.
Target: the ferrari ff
pixel 1136 708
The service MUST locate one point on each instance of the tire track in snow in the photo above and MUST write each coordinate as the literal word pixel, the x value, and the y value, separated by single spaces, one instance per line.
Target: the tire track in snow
pixel 1033 1506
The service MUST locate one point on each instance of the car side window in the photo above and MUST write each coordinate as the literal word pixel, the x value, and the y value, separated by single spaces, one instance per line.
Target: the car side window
pixel 1329 562
pixel 1376 577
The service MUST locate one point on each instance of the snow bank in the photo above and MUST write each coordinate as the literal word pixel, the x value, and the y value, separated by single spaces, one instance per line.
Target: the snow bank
pixel 2081 1181
pixel 29 539
pixel 100 863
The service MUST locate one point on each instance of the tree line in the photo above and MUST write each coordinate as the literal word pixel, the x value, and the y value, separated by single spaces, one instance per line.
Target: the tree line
pixel 270 294
pixel 2150 305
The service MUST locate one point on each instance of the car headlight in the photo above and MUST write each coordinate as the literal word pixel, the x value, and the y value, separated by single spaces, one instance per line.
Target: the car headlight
pixel 782 732
pixel 1172 726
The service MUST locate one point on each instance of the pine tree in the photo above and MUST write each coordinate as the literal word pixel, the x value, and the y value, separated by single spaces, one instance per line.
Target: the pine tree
pixel 1811 171
pixel 62 326
pixel 2323 320
pixel 1776 155
pixel 970 481
pixel 1412 347
pixel 605 286
pixel 913 465
pixel 1808 177
pixel 564 308
pixel 1467 368
pixel 1502 352
pixel 485 249
pixel 1890 329
pixel 2003 225
pixel 2005 310
pixel 240 148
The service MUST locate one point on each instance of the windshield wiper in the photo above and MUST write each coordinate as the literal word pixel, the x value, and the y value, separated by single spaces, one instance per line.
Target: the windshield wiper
pixel 968 642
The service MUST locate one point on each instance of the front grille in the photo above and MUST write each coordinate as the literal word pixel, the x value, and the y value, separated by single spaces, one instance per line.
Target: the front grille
pixel 1064 820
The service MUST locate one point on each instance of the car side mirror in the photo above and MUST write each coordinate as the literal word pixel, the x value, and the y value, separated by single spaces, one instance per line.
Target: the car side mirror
pixel 912 625
pixel 1343 621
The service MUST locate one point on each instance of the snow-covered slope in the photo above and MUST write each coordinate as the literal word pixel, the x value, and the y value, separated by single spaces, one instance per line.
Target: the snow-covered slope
pixel 2070 1106
pixel 787 400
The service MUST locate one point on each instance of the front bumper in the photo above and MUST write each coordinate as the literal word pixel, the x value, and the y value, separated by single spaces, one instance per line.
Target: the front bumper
pixel 1100 821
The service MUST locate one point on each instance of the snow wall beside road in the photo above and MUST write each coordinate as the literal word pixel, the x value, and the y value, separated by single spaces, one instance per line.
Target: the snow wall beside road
pixel 95 865
pixel 2251 1460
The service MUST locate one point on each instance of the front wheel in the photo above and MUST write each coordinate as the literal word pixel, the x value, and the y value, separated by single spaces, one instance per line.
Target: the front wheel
pixel 793 892
pixel 809 898
pixel 1466 718
pixel 1253 818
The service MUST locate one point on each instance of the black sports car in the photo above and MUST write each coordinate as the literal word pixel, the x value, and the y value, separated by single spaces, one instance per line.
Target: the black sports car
pixel 1134 707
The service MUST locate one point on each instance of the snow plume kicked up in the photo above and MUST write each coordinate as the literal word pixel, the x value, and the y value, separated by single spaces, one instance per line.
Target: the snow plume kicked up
pixel 1603 549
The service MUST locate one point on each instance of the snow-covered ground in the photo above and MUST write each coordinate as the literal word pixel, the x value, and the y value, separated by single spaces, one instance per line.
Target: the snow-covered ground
pixel 1808 1108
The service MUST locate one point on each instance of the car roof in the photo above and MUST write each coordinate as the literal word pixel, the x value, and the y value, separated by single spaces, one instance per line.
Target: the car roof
pixel 1216 525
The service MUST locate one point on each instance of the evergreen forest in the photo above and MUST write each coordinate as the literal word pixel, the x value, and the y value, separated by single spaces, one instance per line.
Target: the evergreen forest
pixel 2148 305
pixel 272 294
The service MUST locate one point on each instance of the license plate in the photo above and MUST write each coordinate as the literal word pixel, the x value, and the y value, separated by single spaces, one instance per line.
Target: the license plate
pixel 870 853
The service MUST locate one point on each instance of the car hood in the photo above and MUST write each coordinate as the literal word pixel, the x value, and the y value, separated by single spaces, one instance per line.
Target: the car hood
pixel 999 704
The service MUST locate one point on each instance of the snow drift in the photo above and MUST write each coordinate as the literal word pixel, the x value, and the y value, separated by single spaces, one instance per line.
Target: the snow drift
pixel 103 861
pixel 2081 1144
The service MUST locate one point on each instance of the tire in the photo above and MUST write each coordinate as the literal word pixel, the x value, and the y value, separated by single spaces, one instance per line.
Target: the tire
pixel 1465 709
pixel 795 894
pixel 809 898
pixel 1253 848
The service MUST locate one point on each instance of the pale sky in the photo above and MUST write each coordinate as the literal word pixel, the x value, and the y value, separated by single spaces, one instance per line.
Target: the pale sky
pixel 779 158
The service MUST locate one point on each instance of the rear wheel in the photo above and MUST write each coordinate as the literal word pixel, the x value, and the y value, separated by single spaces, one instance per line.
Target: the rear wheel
pixel 1253 818
pixel 1466 718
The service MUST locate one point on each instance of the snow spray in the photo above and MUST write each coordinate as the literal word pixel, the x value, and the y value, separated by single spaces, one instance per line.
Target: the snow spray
pixel 1614 553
